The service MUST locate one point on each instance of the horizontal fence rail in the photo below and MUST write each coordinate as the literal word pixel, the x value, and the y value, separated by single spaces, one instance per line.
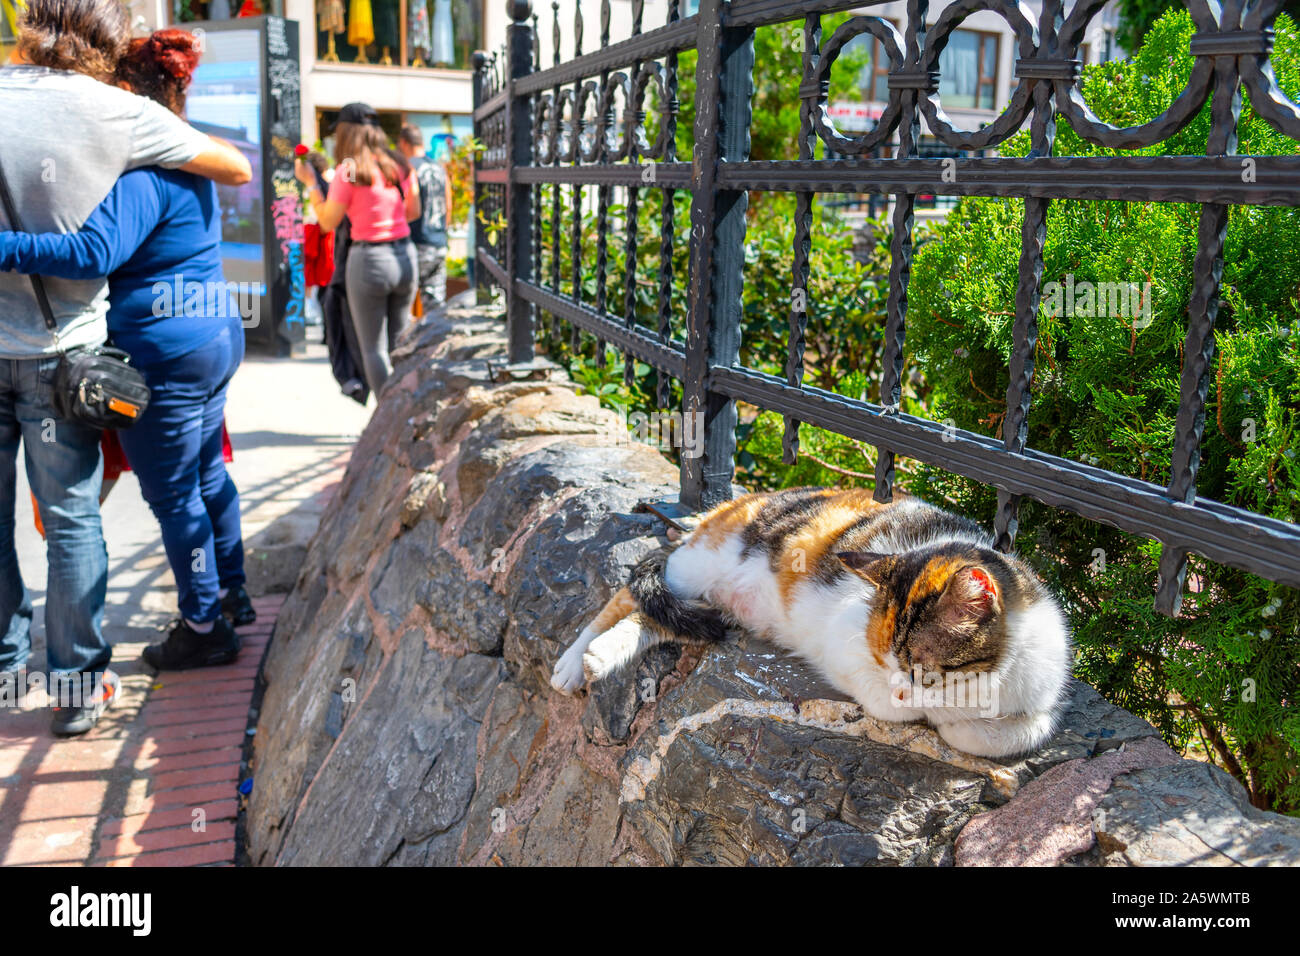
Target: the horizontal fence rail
pixel 550 134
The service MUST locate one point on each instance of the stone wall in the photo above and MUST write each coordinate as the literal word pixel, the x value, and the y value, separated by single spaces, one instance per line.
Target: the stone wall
pixel 408 717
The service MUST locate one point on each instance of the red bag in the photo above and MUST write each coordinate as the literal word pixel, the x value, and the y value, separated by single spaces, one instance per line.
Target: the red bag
pixel 317 255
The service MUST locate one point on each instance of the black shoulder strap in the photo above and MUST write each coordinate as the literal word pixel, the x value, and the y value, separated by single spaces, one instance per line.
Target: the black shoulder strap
pixel 38 286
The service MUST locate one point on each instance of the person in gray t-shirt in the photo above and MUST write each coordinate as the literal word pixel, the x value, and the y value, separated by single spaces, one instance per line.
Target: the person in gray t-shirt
pixel 68 137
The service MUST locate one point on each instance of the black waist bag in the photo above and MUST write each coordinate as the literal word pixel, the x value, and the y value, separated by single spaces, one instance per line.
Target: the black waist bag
pixel 99 387
pixel 93 385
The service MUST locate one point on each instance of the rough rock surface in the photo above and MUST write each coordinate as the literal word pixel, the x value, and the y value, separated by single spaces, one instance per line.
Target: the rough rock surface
pixel 408 717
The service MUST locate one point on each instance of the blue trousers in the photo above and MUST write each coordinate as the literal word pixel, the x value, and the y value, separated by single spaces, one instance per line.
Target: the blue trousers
pixel 175 451
pixel 64 470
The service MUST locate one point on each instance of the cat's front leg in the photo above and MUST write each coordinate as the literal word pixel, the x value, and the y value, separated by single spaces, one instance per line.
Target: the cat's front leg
pixel 619 647
pixel 997 736
pixel 890 700
pixel 567 676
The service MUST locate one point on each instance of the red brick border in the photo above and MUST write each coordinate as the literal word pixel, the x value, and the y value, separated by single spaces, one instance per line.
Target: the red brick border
pixel 175 762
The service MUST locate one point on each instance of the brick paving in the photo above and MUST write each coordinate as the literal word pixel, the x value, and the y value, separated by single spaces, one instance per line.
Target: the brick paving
pixel 154 784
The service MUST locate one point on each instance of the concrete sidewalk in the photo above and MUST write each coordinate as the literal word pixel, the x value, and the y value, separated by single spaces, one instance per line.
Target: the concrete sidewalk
pixel 156 782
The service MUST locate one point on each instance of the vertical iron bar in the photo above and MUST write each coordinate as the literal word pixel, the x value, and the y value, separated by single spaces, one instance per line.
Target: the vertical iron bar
pixel 519 244
pixel 537 189
pixel 667 226
pixel 1033 238
pixel 478 87
pixel 630 207
pixel 555 189
pixel 724 85
pixel 1202 311
pixel 803 218
pixel 900 253
pixel 575 247
pixel 603 190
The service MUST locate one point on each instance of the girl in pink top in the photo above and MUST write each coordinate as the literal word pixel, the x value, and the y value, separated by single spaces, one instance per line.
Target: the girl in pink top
pixel 376 189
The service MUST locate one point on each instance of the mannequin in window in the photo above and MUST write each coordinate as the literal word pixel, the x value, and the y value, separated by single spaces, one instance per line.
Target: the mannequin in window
pixel 361 28
pixel 444 53
pixel 387 34
pixel 333 21
pixel 417 31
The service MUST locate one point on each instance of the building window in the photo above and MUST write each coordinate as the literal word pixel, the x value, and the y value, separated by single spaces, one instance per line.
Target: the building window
pixel 411 33
pixel 968 71
pixel 1110 48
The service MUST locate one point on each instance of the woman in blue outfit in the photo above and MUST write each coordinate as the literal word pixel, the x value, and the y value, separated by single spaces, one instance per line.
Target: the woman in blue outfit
pixel 157 237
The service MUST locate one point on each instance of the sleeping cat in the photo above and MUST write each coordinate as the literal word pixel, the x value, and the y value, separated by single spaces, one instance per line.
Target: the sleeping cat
pixel 902 606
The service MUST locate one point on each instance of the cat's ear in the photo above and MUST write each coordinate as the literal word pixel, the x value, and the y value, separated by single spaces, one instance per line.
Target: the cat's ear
pixel 972 597
pixel 869 564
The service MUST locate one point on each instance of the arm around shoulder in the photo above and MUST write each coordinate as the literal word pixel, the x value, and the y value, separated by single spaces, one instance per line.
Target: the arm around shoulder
pixel 222 163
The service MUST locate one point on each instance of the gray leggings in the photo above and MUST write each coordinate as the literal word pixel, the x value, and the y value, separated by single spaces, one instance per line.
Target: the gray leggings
pixel 381 285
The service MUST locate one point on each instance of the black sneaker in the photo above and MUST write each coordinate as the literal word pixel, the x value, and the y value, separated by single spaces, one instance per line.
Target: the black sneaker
pixel 186 648
pixel 238 607
pixel 70 721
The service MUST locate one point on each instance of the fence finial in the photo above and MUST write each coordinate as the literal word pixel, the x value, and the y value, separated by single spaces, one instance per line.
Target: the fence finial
pixel 519 10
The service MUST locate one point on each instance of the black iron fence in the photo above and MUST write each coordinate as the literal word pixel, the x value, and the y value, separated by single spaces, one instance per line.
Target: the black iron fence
pixel 539 132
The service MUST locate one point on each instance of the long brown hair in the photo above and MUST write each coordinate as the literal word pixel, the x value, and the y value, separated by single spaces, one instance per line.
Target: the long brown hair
pixel 365 148
pixel 161 66
pixel 81 36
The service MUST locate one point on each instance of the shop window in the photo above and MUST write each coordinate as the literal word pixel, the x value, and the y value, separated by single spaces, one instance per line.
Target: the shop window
pixel 413 33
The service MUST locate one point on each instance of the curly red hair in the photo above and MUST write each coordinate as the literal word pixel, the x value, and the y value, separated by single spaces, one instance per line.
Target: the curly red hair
pixel 161 66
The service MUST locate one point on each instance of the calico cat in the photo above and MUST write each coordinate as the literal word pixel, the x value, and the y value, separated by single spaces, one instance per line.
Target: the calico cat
pixel 904 607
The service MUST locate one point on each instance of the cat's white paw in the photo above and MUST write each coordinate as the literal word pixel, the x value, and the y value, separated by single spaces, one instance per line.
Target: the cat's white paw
pixel 594 666
pixel 619 647
pixel 568 675
pixel 997 736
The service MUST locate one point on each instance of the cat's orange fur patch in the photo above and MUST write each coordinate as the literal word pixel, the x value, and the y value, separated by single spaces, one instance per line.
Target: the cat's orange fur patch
pixel 880 633
pixel 805 549
pixel 616 608
pixel 728 518
pixel 934 577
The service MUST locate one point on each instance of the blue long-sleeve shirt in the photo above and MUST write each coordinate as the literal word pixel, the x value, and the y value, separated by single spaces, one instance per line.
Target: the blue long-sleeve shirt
pixel 157 236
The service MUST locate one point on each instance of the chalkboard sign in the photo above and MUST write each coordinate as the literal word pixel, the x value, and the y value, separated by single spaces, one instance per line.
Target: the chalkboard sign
pixel 247 89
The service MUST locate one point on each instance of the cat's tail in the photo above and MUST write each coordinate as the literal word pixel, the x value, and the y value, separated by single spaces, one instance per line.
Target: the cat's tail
pixel 689 619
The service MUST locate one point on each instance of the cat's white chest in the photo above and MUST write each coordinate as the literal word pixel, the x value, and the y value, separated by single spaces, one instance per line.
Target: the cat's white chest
pixel 827 625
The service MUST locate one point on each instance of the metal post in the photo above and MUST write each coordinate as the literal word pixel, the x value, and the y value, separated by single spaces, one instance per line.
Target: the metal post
pixel 478 275
pixel 724 83
pixel 519 196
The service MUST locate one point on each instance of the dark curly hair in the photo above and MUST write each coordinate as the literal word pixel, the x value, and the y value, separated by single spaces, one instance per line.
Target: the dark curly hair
pixel 81 36
pixel 160 66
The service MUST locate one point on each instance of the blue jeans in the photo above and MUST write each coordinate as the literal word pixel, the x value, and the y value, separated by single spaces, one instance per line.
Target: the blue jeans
pixel 64 469
pixel 175 451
